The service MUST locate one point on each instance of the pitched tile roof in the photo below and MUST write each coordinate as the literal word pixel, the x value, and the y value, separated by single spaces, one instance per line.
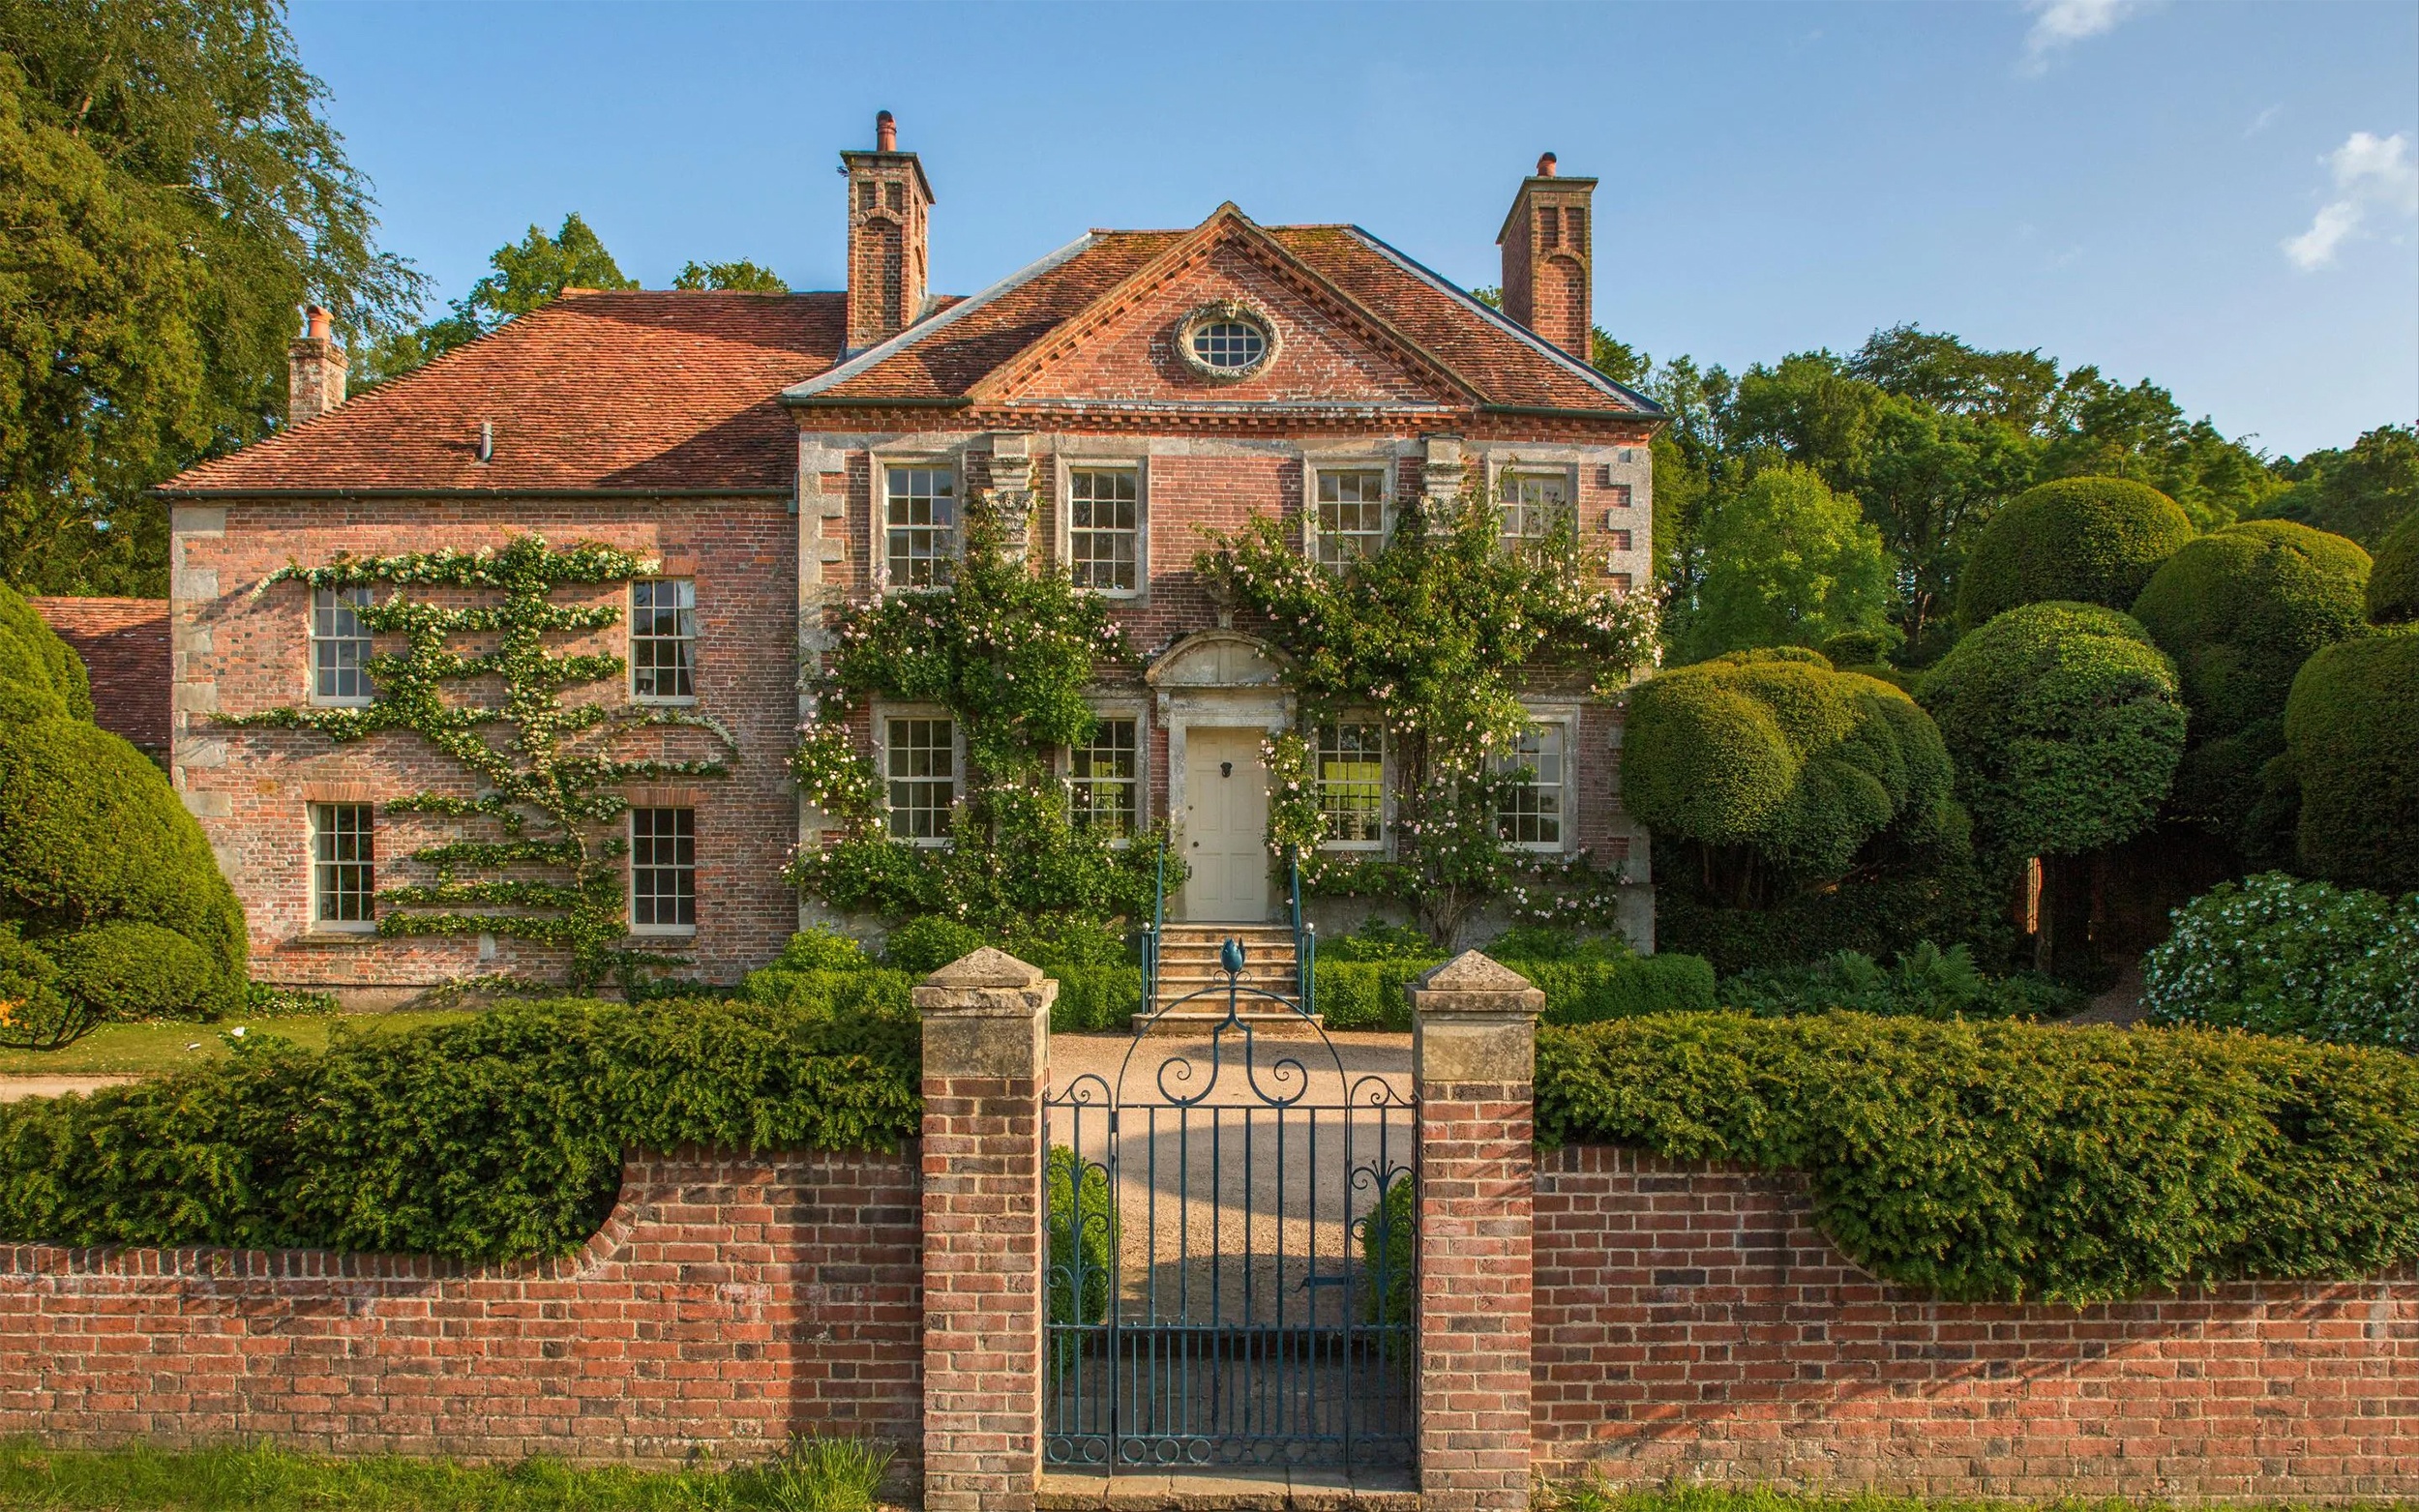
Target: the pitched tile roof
pixel 637 392
pixel 942 359
pixel 125 646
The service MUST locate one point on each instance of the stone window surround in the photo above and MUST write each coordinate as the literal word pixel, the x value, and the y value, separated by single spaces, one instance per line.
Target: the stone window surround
pixel 1137 709
pixel 1565 715
pixel 907 451
pixel 1386 777
pixel 1509 465
pixel 885 711
pixel 1090 453
pixel 1316 461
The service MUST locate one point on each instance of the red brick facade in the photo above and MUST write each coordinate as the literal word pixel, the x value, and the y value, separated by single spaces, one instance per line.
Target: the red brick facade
pixel 728 1303
pixel 1692 1324
pixel 125 646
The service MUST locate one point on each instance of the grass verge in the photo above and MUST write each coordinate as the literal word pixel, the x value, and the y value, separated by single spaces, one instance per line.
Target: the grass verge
pixel 1590 1497
pixel 810 1476
pixel 144 1049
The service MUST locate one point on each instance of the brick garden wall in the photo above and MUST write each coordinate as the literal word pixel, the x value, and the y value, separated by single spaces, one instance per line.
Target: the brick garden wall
pixel 728 1303
pixel 1693 1324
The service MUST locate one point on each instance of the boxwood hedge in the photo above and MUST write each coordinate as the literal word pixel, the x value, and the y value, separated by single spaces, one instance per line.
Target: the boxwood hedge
pixel 2006 1161
pixel 496 1139
pixel 1368 995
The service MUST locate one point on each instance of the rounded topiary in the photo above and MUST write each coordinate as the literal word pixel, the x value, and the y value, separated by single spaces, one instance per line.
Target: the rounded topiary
pixel 1776 752
pixel 2065 725
pixel 2077 540
pixel 32 1014
pixel 2393 597
pixel 91 833
pixel 128 970
pixel 40 675
pixel 2351 731
pixel 2242 608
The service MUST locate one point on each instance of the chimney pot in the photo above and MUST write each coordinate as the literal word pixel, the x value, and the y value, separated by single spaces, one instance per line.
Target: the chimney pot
pixel 320 325
pixel 1546 166
pixel 885 132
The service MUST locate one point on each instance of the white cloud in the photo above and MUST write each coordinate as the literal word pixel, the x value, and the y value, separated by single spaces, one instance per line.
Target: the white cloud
pixel 2370 174
pixel 2264 120
pixel 2062 23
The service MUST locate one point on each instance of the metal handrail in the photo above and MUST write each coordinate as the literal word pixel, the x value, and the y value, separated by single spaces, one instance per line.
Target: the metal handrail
pixel 1305 937
pixel 1150 936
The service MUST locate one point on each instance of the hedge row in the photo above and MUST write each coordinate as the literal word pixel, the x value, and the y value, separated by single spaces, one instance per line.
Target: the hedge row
pixel 1368 995
pixel 2010 1162
pixel 832 972
pixel 496 1139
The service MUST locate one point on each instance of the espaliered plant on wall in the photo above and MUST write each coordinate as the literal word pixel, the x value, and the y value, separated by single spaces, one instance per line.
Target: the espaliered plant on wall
pixel 1432 637
pixel 1008 652
pixel 544 867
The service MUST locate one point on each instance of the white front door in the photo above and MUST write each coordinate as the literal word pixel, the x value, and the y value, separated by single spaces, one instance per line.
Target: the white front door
pixel 1226 827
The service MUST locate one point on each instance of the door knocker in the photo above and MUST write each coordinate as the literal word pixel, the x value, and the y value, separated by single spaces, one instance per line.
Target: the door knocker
pixel 1226 769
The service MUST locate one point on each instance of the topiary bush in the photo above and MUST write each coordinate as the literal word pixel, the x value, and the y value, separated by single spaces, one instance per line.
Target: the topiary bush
pixel 2393 593
pixel 33 1014
pixel 2078 539
pixel 2351 733
pixel 1775 769
pixel 2067 724
pixel 1370 994
pixel 500 1138
pixel 2010 1162
pixel 91 834
pixel 1922 983
pixel 2239 611
pixel 2276 955
pixel 40 675
pixel 135 972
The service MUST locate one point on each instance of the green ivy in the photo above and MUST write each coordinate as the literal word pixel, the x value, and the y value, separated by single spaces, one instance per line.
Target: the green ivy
pixel 552 768
pixel 1011 653
pixel 1434 635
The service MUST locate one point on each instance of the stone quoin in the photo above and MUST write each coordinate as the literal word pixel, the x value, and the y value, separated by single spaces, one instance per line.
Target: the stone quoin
pixel 780 455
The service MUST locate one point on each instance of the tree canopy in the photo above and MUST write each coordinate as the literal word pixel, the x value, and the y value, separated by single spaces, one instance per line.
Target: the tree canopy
pixel 2362 491
pixel 1786 562
pixel 2087 540
pixel 173 193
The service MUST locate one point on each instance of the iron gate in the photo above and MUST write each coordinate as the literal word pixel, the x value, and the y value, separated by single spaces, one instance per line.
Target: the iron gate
pixel 1230 1249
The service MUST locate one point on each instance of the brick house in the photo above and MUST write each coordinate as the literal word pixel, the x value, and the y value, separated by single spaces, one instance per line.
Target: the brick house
pixel 780 454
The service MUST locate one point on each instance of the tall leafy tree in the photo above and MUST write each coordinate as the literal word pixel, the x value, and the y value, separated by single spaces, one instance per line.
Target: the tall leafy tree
pixel 2363 491
pixel 743 277
pixel 1786 562
pixel 523 276
pixel 175 194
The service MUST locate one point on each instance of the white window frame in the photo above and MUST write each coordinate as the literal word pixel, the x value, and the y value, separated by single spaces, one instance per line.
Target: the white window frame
pixel 339 598
pixel 1140 467
pixel 1134 714
pixel 630 832
pixel 883 715
pixel 1386 782
pixel 1504 474
pixel 1314 467
pixel 1566 811
pixel 689 642
pixel 316 819
pixel 883 464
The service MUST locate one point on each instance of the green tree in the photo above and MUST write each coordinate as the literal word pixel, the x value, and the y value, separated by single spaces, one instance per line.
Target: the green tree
pixel 1939 372
pixel 2066 723
pixel 2141 434
pixel 743 277
pixel 173 193
pixel 2393 596
pixel 526 275
pixel 2361 492
pixel 1785 562
pixel 2089 540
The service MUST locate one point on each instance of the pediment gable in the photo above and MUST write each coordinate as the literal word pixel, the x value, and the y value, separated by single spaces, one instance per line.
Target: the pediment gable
pixel 1127 348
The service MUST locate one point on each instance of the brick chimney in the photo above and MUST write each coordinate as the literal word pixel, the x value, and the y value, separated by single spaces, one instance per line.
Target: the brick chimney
pixel 1548 258
pixel 315 369
pixel 889 205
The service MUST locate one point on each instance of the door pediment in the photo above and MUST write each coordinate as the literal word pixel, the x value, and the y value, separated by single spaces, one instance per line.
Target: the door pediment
pixel 1217 659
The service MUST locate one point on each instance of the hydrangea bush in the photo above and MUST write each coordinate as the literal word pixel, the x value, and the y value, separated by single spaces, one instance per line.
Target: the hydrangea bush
pixel 2280 955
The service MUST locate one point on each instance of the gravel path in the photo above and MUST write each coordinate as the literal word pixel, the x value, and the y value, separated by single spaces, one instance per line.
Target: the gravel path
pixel 13 1087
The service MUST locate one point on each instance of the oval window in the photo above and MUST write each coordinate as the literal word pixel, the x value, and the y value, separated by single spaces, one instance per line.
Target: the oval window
pixel 1229 345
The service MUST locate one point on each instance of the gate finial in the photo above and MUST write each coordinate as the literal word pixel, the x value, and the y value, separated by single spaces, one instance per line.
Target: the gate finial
pixel 1231 956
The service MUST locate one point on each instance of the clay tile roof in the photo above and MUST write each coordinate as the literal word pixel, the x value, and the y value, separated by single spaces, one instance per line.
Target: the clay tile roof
pixel 125 646
pixel 942 359
pixel 634 391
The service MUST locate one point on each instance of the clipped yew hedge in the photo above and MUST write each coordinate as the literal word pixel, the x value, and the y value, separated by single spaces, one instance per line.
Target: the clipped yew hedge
pixel 2000 1161
pixel 1369 994
pixel 496 1138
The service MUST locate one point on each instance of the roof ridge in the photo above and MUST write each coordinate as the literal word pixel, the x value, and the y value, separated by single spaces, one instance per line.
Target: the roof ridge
pixel 1588 370
pixel 881 351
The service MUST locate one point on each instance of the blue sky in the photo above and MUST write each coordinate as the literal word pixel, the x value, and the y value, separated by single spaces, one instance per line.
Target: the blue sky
pixel 2221 198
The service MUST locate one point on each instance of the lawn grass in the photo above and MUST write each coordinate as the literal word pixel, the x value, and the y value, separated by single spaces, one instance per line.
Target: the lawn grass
pixel 144 1049
pixel 812 1475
